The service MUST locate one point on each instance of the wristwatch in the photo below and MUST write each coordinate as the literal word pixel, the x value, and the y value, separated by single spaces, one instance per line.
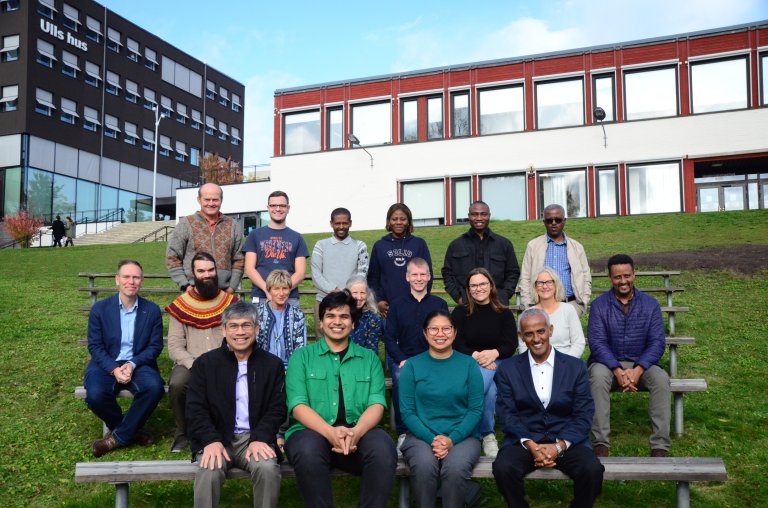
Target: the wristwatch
pixel 559 449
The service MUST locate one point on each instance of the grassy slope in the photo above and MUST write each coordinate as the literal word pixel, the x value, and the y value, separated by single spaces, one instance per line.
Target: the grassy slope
pixel 45 431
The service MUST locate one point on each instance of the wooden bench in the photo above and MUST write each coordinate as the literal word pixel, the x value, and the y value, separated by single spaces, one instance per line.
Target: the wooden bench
pixel 683 471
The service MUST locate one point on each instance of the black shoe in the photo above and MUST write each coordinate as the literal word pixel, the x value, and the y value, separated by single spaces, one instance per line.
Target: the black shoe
pixel 104 445
pixel 180 444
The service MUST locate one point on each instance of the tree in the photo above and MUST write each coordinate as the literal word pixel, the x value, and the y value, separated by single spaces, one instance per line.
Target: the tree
pixel 218 170
pixel 22 227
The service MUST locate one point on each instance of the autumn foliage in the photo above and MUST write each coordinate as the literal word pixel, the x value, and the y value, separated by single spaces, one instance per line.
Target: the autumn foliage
pixel 220 171
pixel 22 227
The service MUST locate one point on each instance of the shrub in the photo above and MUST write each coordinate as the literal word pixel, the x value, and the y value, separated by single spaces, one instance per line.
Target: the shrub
pixel 22 227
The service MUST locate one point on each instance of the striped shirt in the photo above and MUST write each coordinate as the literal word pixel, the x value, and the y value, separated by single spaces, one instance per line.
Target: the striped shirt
pixel 557 259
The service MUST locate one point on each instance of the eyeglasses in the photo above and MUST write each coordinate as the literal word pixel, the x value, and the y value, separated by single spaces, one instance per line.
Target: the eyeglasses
pixel 554 220
pixel 434 330
pixel 479 285
pixel 543 283
pixel 280 207
pixel 246 327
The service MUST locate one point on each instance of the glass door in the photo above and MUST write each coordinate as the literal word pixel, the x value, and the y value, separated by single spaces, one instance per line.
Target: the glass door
pixel 721 198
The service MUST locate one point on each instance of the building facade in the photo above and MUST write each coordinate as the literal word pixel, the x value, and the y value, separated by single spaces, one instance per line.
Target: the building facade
pixel 685 130
pixel 79 86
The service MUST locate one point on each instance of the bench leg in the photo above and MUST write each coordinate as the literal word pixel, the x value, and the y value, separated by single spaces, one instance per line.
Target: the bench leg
pixel 673 360
pixel 679 414
pixel 683 495
pixel 671 324
pixel 404 500
pixel 121 495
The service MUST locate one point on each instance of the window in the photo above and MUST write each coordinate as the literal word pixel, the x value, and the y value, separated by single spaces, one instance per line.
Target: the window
pixel 301 132
pixel 210 90
pixel 197 119
pixel 181 76
pixel 566 188
pixel 501 110
pixel 9 5
pixel 236 106
pixel 9 98
pixel 653 188
pixel 92 74
pixel 111 129
pixel 559 103
pixel 764 79
pixel 435 117
pixel 607 202
pixel 44 102
pixel 166 106
pixel 194 156
pixel 181 151
pixel 335 128
pixel 223 96
pixel 210 125
pixel 181 113
pixel 133 50
pixel 113 39
pixel 603 96
pixel 223 131
pixel 410 120
pixel 460 114
pixel 45 53
pixel 148 140
pixel 149 98
pixel 91 119
pixel 462 198
pixel 132 91
pixel 650 93
pixel 46 8
pixel 506 195
pixel 235 132
pixel 93 29
pixel 372 123
pixel 426 201
pixel 165 146
pixel 71 18
pixel 9 52
pixel 719 85
pixel 131 133
pixel 150 59
pixel 113 83
pixel 69 64
pixel 69 111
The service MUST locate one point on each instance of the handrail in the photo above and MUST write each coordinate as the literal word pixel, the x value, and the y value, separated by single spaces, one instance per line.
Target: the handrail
pixel 36 238
pixel 164 229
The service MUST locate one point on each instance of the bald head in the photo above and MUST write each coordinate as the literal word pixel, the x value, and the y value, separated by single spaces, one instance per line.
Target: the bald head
pixel 209 197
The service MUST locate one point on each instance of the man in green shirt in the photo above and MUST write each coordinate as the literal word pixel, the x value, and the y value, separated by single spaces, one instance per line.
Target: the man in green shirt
pixel 335 392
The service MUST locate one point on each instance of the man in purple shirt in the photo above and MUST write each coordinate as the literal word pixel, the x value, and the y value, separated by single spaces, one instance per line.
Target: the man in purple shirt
pixel 235 405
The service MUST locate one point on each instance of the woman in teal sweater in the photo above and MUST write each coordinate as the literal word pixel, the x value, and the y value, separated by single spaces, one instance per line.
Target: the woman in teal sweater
pixel 441 402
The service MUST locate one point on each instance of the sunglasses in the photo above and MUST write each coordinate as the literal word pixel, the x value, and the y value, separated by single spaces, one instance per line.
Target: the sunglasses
pixel 554 220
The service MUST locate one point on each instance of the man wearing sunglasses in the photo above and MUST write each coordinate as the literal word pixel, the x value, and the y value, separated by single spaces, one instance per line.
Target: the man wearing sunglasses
pixel 564 255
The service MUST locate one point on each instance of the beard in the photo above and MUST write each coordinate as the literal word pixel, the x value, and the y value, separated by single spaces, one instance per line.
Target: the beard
pixel 207 288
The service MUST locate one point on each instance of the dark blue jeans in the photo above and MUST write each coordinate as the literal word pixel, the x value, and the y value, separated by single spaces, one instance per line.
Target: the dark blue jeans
pixel 147 388
pixel 394 371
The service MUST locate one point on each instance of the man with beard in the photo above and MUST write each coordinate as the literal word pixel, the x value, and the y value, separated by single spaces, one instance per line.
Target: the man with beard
pixel 194 328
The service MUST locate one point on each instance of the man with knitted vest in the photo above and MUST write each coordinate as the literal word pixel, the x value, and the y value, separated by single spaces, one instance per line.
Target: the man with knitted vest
pixel 209 231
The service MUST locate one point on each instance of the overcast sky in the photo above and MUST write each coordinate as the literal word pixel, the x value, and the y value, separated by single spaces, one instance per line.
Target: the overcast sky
pixel 271 45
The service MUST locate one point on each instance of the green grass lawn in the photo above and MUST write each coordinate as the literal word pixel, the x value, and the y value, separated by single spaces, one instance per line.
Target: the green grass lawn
pixel 44 431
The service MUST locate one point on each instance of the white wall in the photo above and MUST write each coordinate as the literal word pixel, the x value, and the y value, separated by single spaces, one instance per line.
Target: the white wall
pixel 238 198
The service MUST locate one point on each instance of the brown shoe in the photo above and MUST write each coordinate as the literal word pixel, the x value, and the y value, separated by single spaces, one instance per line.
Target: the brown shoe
pixel 658 452
pixel 104 445
pixel 143 438
pixel 602 451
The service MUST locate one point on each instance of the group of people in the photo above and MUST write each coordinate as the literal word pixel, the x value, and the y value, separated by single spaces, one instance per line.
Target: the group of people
pixel 60 229
pixel 247 391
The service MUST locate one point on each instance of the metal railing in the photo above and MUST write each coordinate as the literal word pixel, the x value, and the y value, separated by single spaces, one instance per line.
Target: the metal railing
pixel 158 235
pixel 35 241
pixel 83 216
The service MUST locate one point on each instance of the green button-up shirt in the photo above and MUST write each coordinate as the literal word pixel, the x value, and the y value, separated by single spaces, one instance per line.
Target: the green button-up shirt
pixel 312 379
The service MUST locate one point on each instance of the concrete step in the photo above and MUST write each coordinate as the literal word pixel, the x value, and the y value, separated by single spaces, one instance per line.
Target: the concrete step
pixel 128 232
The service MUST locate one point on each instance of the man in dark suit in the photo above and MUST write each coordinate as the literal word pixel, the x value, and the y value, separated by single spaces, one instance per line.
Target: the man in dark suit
pixel 545 407
pixel 125 337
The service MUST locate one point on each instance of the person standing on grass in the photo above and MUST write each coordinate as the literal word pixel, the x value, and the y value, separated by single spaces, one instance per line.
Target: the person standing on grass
pixel 125 337
pixel 235 405
pixel 58 231
pixel 336 398
pixel 390 255
pixel 207 230
pixel 275 247
pixel 564 255
pixel 336 259
pixel 626 343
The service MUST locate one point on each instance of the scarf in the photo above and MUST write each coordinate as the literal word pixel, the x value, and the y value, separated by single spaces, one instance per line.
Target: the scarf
pixel 191 310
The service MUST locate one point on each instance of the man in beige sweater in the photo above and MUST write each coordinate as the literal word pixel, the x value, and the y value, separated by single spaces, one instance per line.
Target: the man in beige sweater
pixel 194 328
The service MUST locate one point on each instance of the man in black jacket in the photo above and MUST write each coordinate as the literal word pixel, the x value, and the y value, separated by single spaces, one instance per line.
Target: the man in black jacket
pixel 235 405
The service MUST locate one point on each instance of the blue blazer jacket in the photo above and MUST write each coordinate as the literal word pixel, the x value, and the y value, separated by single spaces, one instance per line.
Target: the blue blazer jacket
pixel 104 334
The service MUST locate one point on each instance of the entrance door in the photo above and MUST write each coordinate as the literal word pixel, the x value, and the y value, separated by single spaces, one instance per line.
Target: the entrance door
pixel 721 198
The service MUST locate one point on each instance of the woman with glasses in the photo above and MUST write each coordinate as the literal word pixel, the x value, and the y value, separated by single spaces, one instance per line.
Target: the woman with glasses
pixel 369 330
pixel 441 402
pixel 549 295
pixel 485 330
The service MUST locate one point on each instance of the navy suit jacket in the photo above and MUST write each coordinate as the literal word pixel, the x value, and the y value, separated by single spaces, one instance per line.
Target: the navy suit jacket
pixel 104 334
pixel 522 415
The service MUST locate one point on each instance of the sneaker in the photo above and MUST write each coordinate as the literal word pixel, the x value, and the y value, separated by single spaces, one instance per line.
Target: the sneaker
pixel 602 451
pixel 400 440
pixel 179 444
pixel 490 446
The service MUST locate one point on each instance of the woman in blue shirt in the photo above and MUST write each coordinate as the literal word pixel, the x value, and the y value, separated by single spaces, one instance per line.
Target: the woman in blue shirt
pixel 369 330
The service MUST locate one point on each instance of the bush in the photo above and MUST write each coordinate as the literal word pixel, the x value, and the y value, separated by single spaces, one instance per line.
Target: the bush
pixel 22 227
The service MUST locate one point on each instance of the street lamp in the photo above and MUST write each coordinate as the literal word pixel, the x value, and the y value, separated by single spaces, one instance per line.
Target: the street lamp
pixel 599 114
pixel 158 116
pixel 354 141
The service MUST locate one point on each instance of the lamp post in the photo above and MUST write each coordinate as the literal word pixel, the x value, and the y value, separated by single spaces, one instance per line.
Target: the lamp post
pixel 599 114
pixel 158 117
pixel 354 141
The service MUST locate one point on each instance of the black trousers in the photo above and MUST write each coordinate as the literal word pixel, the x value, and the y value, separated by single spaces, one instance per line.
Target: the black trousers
pixel 579 462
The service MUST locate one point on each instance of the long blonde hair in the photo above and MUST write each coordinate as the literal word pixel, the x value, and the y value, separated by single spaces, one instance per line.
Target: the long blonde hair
pixel 559 288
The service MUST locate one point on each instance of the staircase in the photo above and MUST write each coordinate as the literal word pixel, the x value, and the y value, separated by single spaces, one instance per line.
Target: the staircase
pixel 128 232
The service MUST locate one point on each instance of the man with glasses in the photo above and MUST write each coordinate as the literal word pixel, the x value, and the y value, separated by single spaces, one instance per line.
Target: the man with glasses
pixel 564 255
pixel 275 247
pixel 235 405
pixel 480 248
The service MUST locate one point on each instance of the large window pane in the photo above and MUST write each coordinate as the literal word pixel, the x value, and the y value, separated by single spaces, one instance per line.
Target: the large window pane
pixel 764 79
pixel 372 123
pixel 566 188
pixel 654 188
pixel 426 201
pixel 127 201
pixel 12 194
pixel 301 132
pixel 87 192
pixel 651 94
pixel 143 208
pixel 410 122
pixel 719 86
pixel 505 195
pixel 606 191
pixel 501 110
pixel 335 128
pixel 39 193
pixel 108 200
pixel 603 96
pixel 462 198
pixel 64 194
pixel 435 118
pixel 559 104
pixel 460 111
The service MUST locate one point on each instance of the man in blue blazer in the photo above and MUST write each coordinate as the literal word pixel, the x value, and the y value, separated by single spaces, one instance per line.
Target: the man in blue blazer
pixel 545 408
pixel 125 337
